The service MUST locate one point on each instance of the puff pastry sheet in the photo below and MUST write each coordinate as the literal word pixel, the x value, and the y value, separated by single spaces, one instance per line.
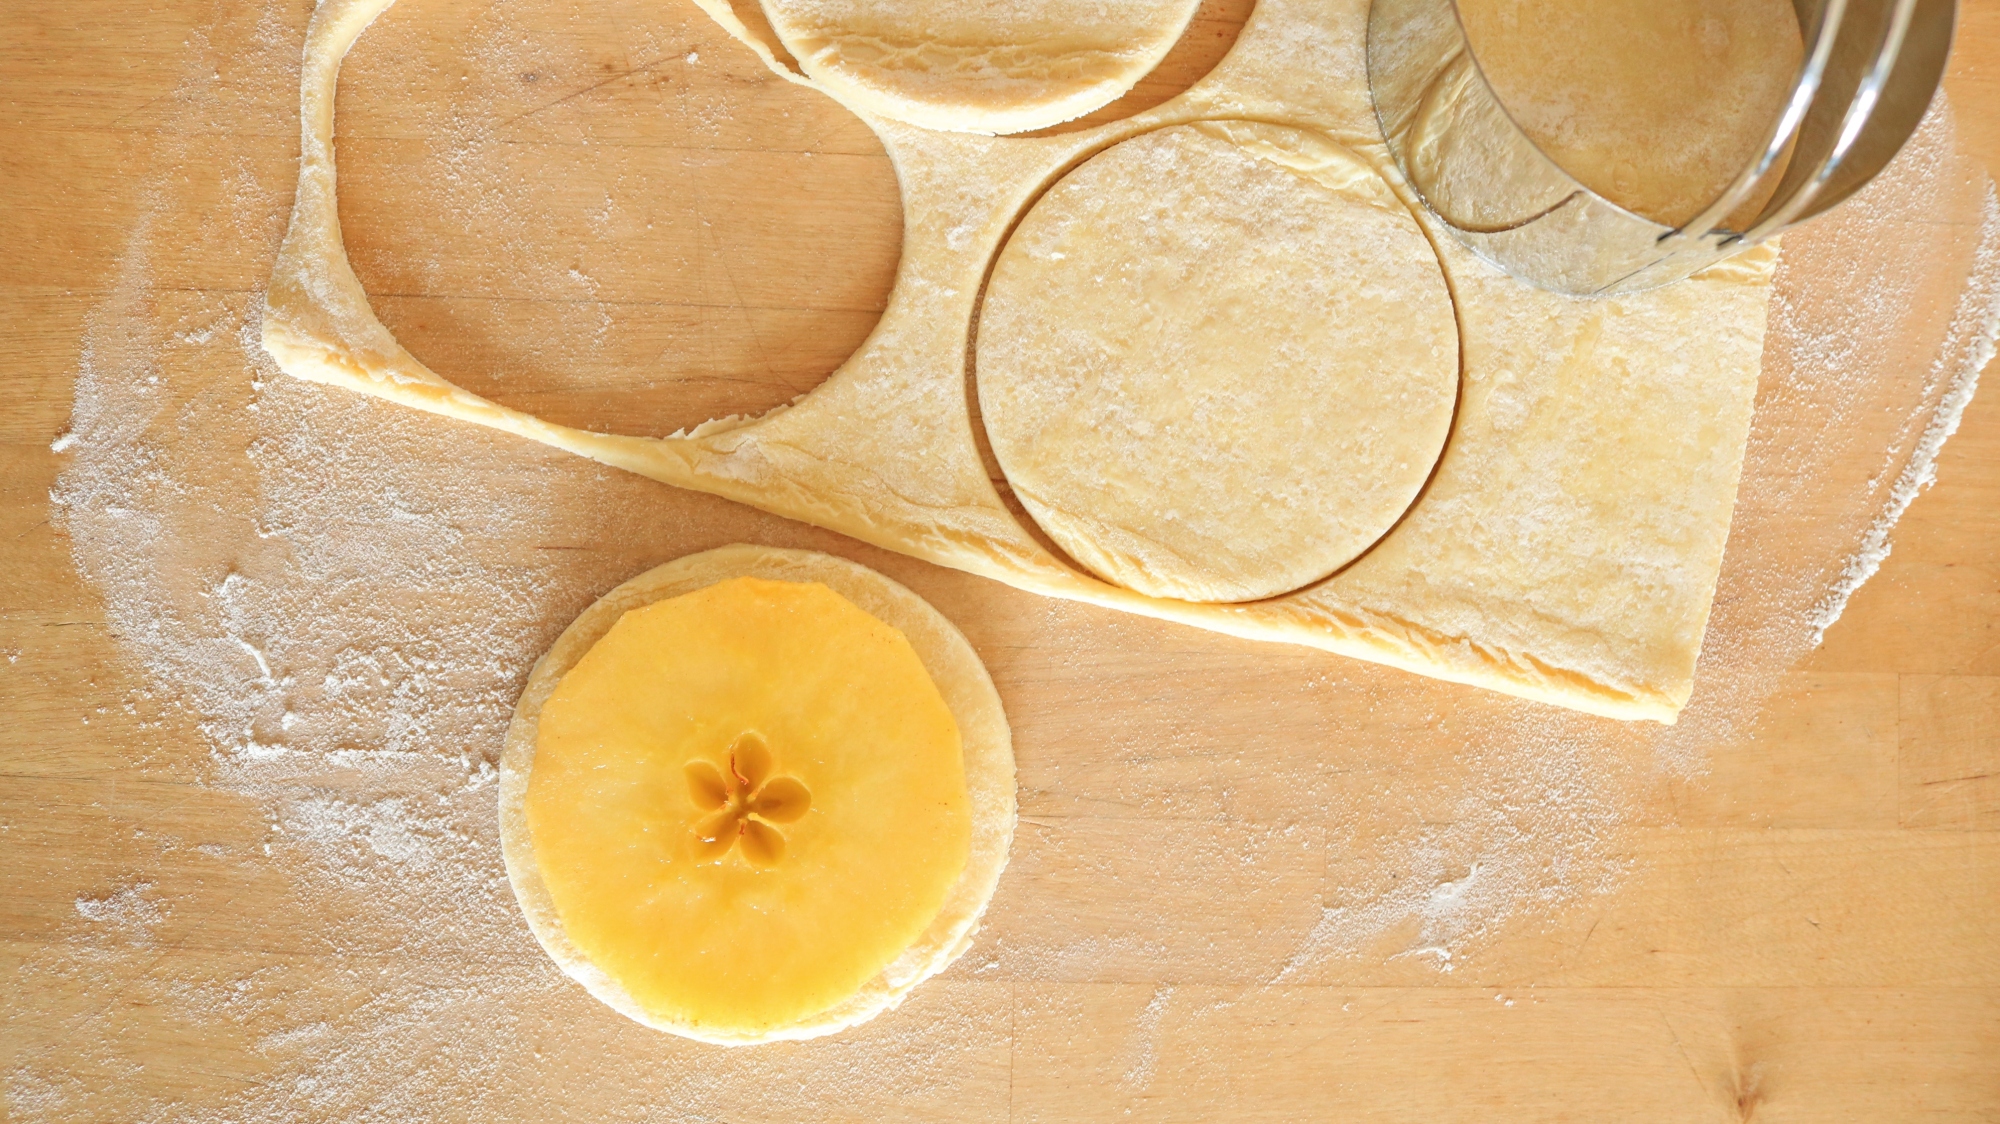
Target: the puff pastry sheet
pixel 1565 548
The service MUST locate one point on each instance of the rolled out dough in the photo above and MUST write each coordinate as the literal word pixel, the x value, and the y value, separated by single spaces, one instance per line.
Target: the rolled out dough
pixel 1566 548
pixel 1217 361
pixel 988 750
pixel 978 66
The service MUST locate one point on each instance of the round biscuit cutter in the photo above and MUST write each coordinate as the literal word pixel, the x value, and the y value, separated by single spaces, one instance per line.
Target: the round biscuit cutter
pixel 1869 71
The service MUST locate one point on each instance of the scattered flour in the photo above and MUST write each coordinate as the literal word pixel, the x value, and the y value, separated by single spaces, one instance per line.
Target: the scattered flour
pixel 1145 1050
pixel 1964 354
pixel 128 910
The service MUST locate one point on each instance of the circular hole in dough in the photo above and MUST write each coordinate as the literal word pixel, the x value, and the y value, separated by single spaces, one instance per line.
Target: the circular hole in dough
pixel 594 213
pixel 1218 361
pixel 978 66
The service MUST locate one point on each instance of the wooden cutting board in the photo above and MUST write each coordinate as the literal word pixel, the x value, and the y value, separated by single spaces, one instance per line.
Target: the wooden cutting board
pixel 1806 933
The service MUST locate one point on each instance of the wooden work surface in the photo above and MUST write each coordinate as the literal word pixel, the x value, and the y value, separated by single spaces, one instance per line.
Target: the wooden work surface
pixel 1808 932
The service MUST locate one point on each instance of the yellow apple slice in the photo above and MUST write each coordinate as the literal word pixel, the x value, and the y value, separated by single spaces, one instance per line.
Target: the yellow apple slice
pixel 757 794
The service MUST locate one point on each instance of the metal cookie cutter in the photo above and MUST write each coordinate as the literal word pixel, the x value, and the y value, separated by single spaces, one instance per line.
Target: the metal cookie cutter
pixel 1868 73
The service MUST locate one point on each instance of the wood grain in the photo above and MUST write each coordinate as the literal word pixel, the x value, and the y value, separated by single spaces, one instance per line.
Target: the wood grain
pixel 1807 933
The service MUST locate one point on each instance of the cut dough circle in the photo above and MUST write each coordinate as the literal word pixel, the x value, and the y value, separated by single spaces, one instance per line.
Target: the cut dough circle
pixel 1218 361
pixel 960 677
pixel 978 66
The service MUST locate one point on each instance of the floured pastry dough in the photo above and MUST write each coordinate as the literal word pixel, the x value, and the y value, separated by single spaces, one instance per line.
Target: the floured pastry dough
pixel 978 66
pixel 1217 361
pixel 1565 549
pixel 820 895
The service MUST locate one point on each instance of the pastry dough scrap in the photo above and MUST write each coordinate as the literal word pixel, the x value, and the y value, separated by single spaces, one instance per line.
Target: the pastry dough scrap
pixel 1566 549
pixel 1217 361
pixel 978 66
